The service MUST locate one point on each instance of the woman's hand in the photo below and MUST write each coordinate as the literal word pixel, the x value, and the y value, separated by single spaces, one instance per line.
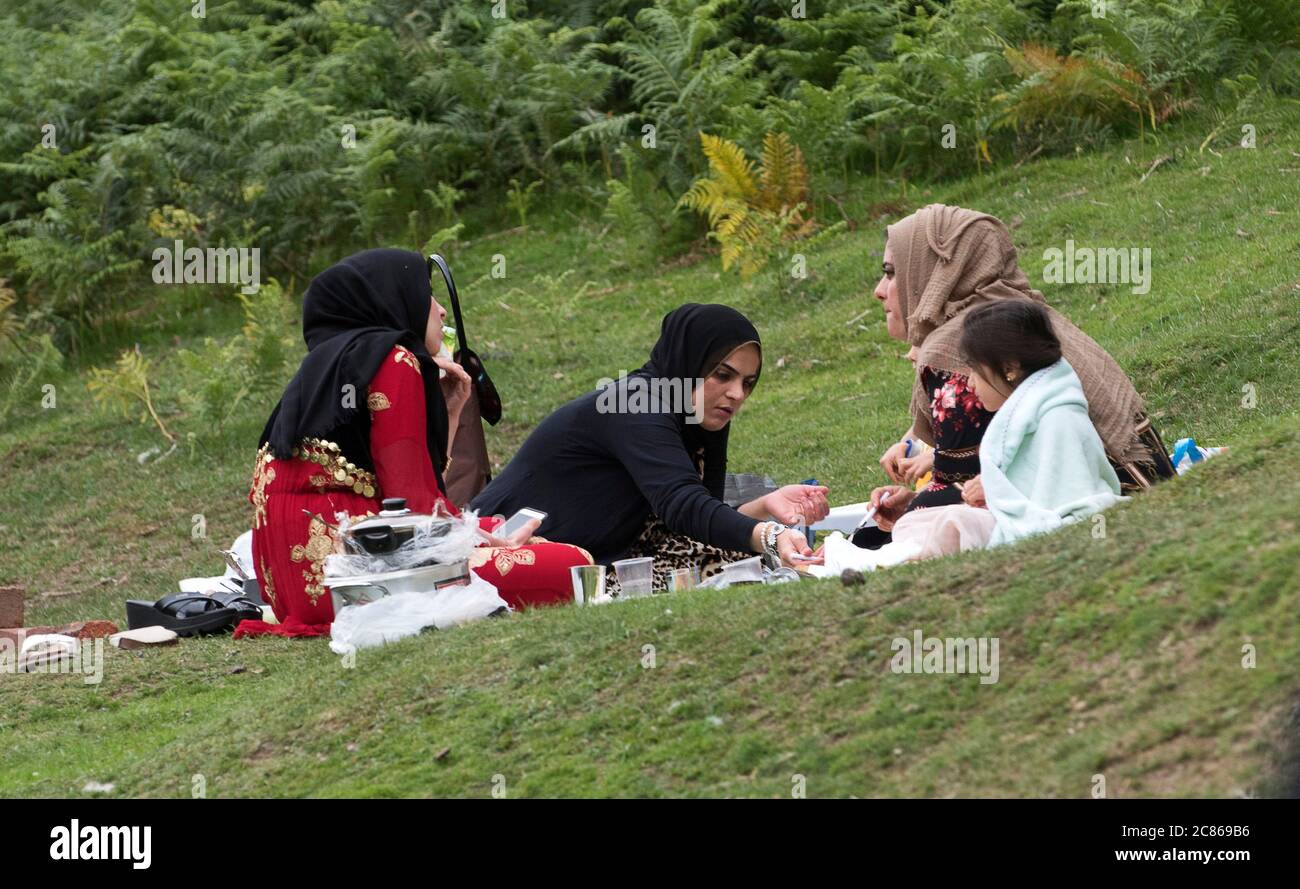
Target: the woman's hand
pixel 972 493
pixel 798 504
pixel 789 543
pixel 890 503
pixel 818 558
pixel 519 538
pixel 891 461
pixel 915 467
pixel 455 386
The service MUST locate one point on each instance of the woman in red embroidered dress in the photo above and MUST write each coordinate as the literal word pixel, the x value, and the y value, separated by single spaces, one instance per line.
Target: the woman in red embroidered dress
pixel 365 418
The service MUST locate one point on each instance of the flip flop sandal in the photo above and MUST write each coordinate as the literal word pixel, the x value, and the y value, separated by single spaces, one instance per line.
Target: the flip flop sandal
pixel 189 614
pixel 246 608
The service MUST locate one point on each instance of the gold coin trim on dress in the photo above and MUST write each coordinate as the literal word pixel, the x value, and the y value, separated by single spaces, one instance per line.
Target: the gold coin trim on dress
pixel 339 471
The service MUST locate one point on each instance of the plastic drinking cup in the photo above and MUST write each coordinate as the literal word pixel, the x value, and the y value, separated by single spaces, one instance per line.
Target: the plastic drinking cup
pixel 635 576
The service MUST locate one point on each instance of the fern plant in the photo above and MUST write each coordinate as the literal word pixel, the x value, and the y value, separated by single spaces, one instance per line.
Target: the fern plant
pixel 520 198
pixel 218 379
pixel 1055 88
pixel 681 82
pixel 554 298
pixel 9 324
pixel 752 208
pixel 125 388
pixel 640 212
pixel 70 256
pixel 21 378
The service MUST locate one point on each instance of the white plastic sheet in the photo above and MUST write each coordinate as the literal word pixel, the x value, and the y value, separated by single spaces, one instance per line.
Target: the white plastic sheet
pixel 921 534
pixel 405 614
pixel 841 554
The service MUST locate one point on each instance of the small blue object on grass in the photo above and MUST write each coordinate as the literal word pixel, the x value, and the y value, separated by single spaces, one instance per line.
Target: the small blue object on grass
pixel 1186 449
pixel 1187 453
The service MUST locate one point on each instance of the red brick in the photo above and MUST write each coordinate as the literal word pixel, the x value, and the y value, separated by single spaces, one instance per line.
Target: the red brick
pixel 11 606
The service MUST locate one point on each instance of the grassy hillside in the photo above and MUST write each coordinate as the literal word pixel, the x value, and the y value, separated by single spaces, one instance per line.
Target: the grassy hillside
pixel 1120 656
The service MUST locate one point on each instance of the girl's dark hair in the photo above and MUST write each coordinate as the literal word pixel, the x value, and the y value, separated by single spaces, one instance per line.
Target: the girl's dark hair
pixel 1009 330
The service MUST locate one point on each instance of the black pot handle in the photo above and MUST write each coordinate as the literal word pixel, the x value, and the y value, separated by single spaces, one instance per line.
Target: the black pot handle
pixel 377 540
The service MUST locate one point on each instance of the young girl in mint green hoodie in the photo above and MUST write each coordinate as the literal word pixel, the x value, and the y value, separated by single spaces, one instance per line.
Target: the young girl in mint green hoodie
pixel 1042 463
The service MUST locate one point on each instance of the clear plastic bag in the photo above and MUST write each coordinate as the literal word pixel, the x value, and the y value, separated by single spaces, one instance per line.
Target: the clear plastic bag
pixel 427 546
pixel 406 614
pixel 751 570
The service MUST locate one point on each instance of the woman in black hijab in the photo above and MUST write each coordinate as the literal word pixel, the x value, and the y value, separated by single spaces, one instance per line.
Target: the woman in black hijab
pixel 358 423
pixel 354 314
pixel 637 468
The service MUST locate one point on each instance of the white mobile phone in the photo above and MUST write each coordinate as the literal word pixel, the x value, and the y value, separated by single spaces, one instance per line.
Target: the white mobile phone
pixel 518 520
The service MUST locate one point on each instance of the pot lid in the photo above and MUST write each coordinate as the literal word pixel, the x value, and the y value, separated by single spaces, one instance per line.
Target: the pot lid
pixel 395 515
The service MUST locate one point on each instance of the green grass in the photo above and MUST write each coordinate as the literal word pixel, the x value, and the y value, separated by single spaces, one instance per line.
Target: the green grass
pixel 1119 656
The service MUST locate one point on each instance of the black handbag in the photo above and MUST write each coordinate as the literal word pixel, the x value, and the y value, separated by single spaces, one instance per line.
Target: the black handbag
pixel 488 399
pixel 469 469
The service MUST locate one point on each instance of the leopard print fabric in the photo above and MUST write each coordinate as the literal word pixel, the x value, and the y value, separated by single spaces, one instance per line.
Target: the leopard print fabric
pixel 671 550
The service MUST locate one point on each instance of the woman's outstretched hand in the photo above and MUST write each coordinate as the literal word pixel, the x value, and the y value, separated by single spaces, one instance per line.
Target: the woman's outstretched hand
pixel 890 503
pixel 455 385
pixel 789 544
pixel 519 538
pixel 818 557
pixel 798 504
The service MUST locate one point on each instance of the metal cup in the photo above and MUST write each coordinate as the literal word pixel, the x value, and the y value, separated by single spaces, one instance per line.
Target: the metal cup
pixel 588 583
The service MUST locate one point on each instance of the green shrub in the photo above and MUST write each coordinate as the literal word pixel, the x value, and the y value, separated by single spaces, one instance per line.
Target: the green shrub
pixel 313 130
pixel 219 380
pixel 24 371
pixel 206 387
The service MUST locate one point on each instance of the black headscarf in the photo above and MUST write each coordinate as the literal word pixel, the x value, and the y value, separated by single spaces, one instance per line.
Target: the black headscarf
pixel 353 314
pixel 693 340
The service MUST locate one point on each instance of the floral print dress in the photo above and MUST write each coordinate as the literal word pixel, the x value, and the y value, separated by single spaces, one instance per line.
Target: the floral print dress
pixel 959 420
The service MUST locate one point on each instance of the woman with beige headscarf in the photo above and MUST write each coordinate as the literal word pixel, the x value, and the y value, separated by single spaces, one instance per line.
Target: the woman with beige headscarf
pixel 940 263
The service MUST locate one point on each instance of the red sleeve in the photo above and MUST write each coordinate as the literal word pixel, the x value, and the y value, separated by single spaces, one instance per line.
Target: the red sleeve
pixel 398 438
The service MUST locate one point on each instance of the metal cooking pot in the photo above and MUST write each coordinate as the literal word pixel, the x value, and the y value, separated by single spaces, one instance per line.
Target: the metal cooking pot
pixel 364 588
pixel 395 525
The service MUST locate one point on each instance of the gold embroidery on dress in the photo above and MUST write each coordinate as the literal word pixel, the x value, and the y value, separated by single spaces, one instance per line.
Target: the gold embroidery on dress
pixel 402 356
pixel 504 559
pixel 320 481
pixel 270 582
pixel 378 401
pixel 339 471
pixel 263 475
pixel 319 545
